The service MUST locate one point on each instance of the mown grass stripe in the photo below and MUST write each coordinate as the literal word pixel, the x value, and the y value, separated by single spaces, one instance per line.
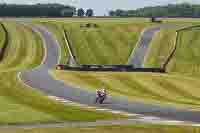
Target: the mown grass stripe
pixel 104 45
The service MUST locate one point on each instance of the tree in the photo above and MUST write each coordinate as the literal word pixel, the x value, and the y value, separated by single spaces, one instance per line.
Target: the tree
pixel 171 10
pixel 67 12
pixel 119 12
pixel 81 12
pixel 89 12
pixel 36 10
pixel 112 13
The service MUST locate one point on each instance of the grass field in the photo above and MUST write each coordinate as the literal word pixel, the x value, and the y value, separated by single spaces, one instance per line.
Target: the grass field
pixel 186 59
pixel 179 87
pixel 160 47
pixel 111 43
pixel 114 129
pixel 20 104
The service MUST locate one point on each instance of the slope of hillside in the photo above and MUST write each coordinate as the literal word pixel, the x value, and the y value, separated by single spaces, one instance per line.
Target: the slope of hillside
pixel 109 44
pixel 186 59
pixel 160 48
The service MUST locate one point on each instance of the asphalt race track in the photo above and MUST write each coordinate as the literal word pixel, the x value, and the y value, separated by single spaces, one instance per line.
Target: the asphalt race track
pixel 39 78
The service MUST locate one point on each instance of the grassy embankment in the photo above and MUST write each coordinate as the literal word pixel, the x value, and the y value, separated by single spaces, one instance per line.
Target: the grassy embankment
pixel 123 37
pixel 114 129
pixel 186 59
pixel 21 104
pixel 162 44
pixel 111 43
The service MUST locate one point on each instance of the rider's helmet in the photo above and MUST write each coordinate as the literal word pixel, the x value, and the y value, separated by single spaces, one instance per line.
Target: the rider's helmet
pixel 104 90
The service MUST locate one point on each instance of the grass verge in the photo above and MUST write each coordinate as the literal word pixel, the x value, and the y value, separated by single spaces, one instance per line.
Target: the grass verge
pixel 114 129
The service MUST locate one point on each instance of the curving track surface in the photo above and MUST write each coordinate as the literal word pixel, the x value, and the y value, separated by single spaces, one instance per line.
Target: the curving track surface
pixel 40 78
pixel 138 54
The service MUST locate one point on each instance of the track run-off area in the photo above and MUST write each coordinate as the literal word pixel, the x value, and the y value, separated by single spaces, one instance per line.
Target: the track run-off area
pixel 39 78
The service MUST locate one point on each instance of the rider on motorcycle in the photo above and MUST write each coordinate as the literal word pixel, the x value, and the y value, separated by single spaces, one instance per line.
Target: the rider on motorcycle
pixel 100 95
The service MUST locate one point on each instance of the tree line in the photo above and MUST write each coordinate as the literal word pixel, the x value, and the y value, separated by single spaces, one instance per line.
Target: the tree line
pixel 171 10
pixel 41 10
pixel 81 12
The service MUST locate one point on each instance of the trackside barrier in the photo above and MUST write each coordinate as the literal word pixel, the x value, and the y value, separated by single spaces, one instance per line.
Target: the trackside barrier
pixel 70 49
pixel 165 64
pixel 109 68
pixel 171 55
pixel 5 44
pixel 188 28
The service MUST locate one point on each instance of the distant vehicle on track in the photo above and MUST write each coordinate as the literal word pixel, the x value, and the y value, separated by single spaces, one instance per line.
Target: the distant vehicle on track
pixel 155 20
pixel 89 25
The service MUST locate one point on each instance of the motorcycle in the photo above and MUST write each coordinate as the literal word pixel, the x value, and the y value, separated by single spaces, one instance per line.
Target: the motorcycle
pixel 100 98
